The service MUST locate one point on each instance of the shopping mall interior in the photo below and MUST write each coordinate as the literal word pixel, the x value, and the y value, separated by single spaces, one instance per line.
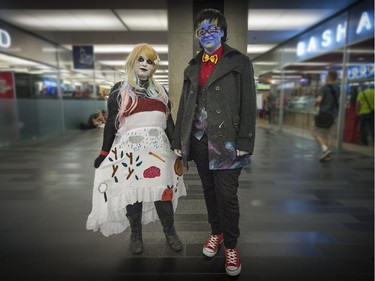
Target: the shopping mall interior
pixel 301 218
pixel 292 47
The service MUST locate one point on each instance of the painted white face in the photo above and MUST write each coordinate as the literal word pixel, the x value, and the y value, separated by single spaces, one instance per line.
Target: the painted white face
pixel 144 67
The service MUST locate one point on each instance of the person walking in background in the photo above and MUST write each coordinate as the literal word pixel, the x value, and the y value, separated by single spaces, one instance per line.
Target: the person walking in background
pixel 215 128
pixel 365 111
pixel 138 178
pixel 327 100
pixel 271 107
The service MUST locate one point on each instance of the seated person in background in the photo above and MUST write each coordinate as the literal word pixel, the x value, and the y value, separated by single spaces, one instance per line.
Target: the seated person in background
pixel 96 120
pixel 104 115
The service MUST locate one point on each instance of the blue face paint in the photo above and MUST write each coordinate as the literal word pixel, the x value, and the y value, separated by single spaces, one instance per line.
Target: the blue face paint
pixel 209 35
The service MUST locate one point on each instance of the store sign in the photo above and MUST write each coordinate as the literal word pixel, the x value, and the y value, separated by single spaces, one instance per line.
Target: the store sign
pixel 364 23
pixel 5 40
pixel 263 86
pixel 361 71
pixel 361 24
pixel 332 35
pixel 83 57
pixel 287 85
pixel 327 37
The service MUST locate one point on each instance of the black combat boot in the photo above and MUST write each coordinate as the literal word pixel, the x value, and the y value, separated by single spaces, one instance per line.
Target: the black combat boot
pixel 136 243
pixel 170 233
pixel 165 213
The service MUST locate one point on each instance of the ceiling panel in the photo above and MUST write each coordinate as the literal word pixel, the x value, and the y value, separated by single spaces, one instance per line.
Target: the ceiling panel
pixel 115 27
pixel 144 20
pixel 63 20
pixel 281 19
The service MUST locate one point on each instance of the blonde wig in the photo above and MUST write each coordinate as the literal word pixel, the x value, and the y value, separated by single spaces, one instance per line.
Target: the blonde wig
pixel 131 87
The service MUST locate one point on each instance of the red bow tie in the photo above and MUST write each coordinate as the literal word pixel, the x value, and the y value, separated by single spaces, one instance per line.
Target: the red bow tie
pixel 213 58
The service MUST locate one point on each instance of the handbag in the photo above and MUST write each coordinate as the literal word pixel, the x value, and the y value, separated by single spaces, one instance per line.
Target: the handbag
pixel 326 119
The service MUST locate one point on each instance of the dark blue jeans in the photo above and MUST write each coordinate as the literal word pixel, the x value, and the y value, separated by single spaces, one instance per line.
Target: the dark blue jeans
pixel 220 194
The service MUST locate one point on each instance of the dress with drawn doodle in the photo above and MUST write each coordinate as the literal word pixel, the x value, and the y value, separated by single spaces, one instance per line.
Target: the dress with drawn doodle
pixel 140 167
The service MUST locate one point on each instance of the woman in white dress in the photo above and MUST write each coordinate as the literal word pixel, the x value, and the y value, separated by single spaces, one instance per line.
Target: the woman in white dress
pixel 138 178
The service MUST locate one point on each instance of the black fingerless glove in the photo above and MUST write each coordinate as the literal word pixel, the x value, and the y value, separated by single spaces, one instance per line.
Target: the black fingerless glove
pixel 99 160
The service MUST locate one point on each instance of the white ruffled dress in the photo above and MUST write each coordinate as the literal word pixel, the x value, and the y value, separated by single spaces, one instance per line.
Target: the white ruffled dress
pixel 141 167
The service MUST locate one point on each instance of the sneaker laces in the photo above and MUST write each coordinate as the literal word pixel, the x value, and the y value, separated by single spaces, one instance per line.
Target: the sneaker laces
pixel 232 256
pixel 213 241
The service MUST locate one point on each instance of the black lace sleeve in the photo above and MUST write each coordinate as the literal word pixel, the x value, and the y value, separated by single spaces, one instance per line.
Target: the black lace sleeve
pixel 110 128
pixel 170 126
pixel 170 123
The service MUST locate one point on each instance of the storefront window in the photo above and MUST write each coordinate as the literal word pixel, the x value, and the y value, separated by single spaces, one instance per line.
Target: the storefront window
pixel 304 79
pixel 84 83
pixel 360 77
pixel 343 44
pixel 38 99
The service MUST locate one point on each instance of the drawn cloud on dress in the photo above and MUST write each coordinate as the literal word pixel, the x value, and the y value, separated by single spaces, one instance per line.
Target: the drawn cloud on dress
pixel 136 139
pixel 165 139
pixel 154 133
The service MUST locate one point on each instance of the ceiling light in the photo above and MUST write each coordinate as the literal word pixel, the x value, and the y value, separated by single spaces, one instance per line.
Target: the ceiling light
pixel 63 20
pixel 112 62
pixel 296 19
pixel 16 61
pixel 150 20
pixel 310 63
pixel 163 62
pixel 259 48
pixel 361 51
pixel 161 71
pixel 126 49
pixel 160 76
pixel 266 63
pixel 283 71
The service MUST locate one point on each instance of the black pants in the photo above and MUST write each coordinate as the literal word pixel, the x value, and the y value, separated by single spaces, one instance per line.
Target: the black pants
pixel 220 194
pixel 163 208
pixel 366 126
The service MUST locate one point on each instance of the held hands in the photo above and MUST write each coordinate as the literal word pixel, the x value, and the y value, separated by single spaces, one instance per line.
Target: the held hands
pixel 241 153
pixel 99 160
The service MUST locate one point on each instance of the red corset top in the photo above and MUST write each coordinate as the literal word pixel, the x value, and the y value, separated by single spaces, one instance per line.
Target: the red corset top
pixel 145 104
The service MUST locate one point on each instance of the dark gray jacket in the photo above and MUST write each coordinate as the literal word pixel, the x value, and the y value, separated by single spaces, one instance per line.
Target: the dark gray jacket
pixel 231 109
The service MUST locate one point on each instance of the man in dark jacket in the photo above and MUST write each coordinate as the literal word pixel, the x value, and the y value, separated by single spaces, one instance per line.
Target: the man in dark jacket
pixel 215 128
